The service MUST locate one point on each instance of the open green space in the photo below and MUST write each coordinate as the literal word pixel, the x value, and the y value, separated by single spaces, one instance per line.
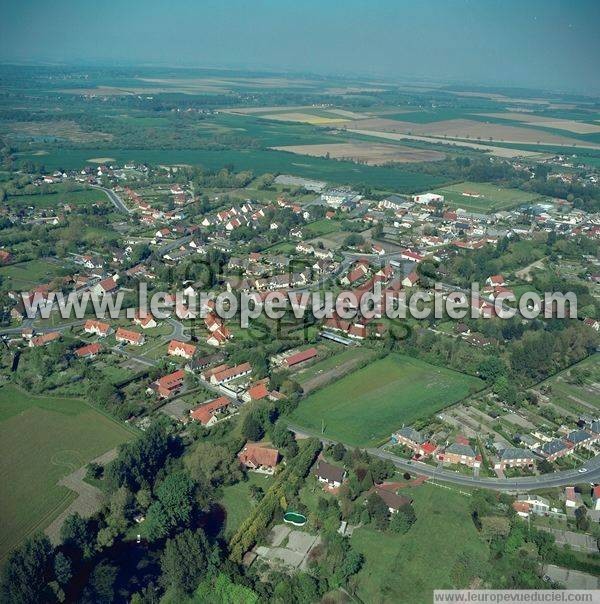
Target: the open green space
pixel 24 275
pixel 42 439
pixel 58 196
pixel 484 197
pixel 393 178
pixel 407 568
pixel 237 500
pixel 364 407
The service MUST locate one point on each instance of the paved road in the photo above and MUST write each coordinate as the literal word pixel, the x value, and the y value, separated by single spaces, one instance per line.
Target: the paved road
pixel 528 483
pixel 115 199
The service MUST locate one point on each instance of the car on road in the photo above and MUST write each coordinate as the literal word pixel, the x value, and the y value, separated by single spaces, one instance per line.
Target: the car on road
pixel 582 470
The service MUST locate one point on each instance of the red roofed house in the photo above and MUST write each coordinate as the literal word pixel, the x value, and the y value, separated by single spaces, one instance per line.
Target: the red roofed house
pixel 522 508
pixel 570 497
pixel 257 392
pixel 89 351
pixel 105 286
pixel 410 280
pixel 181 349
pixel 5 257
pixel 207 414
pixel 168 384
pixel 96 327
pixel 219 336
pixel 230 373
pixel 147 322
pixel 255 456
pixel 300 357
pixel 44 339
pixel 130 337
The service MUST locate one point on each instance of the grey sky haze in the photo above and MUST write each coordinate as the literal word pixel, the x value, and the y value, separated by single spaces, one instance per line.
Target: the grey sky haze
pixel 551 44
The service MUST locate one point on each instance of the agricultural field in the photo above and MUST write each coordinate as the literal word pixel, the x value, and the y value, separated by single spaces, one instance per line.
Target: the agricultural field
pixel 403 564
pixel 57 197
pixel 363 407
pixel 362 152
pixel 484 197
pixel 42 439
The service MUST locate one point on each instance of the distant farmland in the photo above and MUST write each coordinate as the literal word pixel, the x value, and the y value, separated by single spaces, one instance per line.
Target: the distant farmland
pixel 484 197
pixel 366 406
pixel 395 178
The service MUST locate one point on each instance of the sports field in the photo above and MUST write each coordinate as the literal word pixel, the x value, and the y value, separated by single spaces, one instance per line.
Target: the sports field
pixel 43 439
pixel 484 197
pixel 366 406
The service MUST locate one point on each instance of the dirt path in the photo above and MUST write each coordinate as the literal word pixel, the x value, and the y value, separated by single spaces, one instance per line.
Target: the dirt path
pixel 89 498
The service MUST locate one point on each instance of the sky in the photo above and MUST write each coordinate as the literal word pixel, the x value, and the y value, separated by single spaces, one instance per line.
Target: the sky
pixel 550 44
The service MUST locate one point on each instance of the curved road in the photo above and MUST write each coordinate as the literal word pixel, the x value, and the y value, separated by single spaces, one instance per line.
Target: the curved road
pixel 525 483
pixel 115 199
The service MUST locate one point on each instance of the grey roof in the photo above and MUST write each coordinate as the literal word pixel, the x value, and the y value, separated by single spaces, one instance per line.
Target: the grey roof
pixel 411 434
pixel 516 453
pixel 596 427
pixel 328 471
pixel 554 446
pixel 458 449
pixel 578 436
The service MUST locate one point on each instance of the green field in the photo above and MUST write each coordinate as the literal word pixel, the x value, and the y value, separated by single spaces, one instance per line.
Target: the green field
pixel 237 501
pixel 43 439
pixel 394 178
pixel 320 228
pixel 366 406
pixel 407 568
pixel 493 198
pixel 58 197
pixel 24 275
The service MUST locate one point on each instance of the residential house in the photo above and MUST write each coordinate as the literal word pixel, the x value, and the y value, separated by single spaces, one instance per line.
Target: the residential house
pixel 106 286
pixel 411 279
pixel 181 349
pixel 259 457
pixel 130 337
pixel 147 322
pixel 554 449
pixel 96 327
pixel 458 453
pixel 231 373
pixel 44 339
pixel 168 384
pixel 199 363
pixel 513 457
pixel 89 351
pixel 207 413
pixel 393 501
pixel 332 476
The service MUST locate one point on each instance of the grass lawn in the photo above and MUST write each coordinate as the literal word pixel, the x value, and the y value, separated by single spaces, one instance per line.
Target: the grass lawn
pixel 43 439
pixel 320 228
pixel 491 197
pixel 24 275
pixel 364 407
pixel 57 196
pixel 332 362
pixel 237 501
pixel 407 568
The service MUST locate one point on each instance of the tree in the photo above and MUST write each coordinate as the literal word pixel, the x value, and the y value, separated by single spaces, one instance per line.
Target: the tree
pixel 212 465
pixel 378 511
pixel 338 451
pixel 402 520
pixel 582 520
pixel 25 574
pixel 252 428
pixel 186 559
pixel 174 506
pixel 101 585
pixel 62 569
pixel 77 533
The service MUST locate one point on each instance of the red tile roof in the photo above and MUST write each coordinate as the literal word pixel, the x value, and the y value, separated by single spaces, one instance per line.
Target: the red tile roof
pixel 175 345
pixel 258 391
pixel 255 455
pixel 300 357
pixel 89 350
pixel 204 413
pixel 130 336
pixel 46 338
